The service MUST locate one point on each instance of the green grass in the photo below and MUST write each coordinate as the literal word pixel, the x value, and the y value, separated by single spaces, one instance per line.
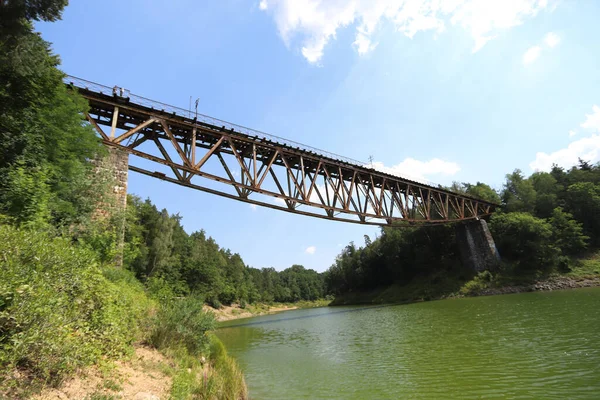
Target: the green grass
pixel 586 268
pixel 218 378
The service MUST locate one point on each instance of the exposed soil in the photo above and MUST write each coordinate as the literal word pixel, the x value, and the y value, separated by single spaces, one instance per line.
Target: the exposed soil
pixel 227 313
pixel 140 378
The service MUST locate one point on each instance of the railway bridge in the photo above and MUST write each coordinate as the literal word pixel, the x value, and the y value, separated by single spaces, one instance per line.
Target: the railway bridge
pixel 229 160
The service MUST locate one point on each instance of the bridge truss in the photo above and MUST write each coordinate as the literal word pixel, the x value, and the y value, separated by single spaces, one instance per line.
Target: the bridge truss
pixel 232 161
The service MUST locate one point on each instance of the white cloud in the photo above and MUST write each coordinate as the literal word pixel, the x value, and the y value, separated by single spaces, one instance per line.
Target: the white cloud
pixel 418 170
pixel 310 250
pixel 363 44
pixel 587 149
pixel 316 22
pixel 592 121
pixel 531 55
pixel 551 39
pixel 253 207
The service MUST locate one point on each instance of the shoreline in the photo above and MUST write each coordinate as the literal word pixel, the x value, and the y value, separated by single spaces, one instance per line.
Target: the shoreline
pixel 547 285
pixel 389 295
pixel 233 312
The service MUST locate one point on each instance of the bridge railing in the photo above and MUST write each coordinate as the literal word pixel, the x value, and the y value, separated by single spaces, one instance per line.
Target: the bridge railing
pixel 119 91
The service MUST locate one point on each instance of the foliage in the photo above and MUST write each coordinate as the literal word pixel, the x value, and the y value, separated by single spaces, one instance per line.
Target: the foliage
pixel 162 254
pixel 398 256
pixel 58 311
pixel 544 221
pixel 479 282
pixel 218 378
pixel 567 233
pixel 182 323
pixel 45 175
pixel 524 239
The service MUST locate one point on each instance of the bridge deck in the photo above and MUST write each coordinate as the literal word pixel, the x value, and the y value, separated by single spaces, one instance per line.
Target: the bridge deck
pixel 252 166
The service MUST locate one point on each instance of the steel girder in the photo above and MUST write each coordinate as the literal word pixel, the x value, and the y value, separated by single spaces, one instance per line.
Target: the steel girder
pixel 252 168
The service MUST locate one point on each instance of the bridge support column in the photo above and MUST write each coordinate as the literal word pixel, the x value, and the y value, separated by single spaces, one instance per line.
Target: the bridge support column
pixel 113 169
pixel 477 248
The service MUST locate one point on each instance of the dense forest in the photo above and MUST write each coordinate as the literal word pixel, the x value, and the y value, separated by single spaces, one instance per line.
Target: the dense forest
pixel 63 304
pixel 544 221
pixel 161 253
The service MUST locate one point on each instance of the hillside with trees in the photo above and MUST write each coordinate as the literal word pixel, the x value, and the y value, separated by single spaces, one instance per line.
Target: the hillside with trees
pixel 162 254
pixel 545 224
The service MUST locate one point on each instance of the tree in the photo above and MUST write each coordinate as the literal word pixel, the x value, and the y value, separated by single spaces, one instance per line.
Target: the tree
pixel 525 240
pixel 519 194
pixel 567 233
pixel 39 10
pixel 484 192
pixel 547 189
pixel 41 122
pixel 583 201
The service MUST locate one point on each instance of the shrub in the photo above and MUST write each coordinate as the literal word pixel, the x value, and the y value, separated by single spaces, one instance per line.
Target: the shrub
pixel 214 302
pixel 182 323
pixel 58 312
pixel 524 239
pixel 481 281
pixel 227 296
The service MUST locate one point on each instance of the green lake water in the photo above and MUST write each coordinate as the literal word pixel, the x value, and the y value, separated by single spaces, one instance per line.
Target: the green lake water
pixel 542 345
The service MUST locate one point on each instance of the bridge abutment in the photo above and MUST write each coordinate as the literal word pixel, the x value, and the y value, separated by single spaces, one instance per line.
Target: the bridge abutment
pixel 477 247
pixel 113 169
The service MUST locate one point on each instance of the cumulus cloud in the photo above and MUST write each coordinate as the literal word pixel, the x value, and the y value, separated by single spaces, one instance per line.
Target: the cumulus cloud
pixel 419 171
pixel 592 121
pixel 551 39
pixel 310 250
pixel 316 22
pixel 531 55
pixel 587 149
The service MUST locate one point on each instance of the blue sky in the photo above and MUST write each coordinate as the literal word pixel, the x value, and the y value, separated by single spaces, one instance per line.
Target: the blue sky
pixel 464 90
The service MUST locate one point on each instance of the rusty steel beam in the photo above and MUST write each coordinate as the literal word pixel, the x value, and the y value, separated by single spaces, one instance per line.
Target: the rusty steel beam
pixel 318 184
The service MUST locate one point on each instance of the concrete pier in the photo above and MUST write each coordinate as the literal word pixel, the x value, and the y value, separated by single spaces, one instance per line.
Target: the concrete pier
pixel 477 248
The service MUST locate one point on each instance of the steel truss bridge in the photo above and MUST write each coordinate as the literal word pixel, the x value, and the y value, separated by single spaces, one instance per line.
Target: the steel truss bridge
pixel 232 161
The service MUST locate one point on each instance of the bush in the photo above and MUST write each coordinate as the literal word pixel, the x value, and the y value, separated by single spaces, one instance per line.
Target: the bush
pixel 481 281
pixel 525 240
pixel 58 312
pixel 182 323
pixel 228 295
pixel 214 302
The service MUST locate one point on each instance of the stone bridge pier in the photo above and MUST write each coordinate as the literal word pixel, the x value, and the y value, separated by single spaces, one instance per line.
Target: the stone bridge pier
pixel 476 244
pixel 113 169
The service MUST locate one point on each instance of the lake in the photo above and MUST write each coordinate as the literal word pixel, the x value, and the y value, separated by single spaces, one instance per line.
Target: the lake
pixel 542 345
